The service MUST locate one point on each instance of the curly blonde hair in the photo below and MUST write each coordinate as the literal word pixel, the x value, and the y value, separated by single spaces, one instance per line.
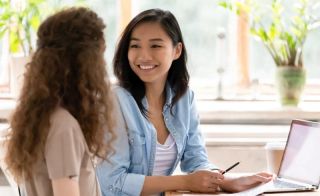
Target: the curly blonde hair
pixel 68 70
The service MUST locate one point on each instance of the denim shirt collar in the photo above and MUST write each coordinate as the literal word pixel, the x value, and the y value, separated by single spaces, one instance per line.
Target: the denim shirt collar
pixel 169 95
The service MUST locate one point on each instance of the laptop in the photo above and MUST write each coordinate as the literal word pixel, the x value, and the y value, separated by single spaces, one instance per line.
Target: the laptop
pixel 300 165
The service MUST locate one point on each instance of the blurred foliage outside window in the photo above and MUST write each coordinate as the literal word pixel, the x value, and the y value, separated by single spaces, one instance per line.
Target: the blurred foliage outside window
pixel 201 22
pixel 27 15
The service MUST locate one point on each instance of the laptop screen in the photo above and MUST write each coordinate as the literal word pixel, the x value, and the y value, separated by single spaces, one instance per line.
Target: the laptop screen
pixel 301 159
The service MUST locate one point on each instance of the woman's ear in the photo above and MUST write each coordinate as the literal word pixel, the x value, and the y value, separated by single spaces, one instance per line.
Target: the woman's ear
pixel 177 51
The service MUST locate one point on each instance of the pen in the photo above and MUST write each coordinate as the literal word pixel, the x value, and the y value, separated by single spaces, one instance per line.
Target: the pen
pixel 230 168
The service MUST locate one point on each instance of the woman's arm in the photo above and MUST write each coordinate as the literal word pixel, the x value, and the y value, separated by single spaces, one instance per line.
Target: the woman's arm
pixel 65 187
pixel 113 175
pixel 64 152
pixel 203 181
pixel 157 184
pixel 199 181
pixel 195 155
pixel 237 184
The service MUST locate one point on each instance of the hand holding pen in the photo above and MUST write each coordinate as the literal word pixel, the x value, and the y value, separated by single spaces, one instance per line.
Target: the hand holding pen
pixel 241 183
pixel 222 172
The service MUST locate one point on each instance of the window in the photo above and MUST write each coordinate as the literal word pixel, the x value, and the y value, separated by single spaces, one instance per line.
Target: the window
pixel 201 22
pixel 262 67
pixel 107 9
pixel 4 72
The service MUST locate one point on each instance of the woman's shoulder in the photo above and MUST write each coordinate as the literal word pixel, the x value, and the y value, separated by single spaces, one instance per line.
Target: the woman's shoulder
pixel 61 113
pixel 118 89
pixel 188 95
pixel 189 92
pixel 120 92
pixel 62 119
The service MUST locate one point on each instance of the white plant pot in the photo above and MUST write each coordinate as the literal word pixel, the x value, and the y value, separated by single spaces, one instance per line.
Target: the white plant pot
pixel 17 69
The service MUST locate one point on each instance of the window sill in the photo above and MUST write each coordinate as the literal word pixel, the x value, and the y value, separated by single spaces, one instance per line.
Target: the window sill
pixel 232 123
pixel 3 131
pixel 6 108
pixel 231 112
pixel 255 112
pixel 227 135
pixel 243 135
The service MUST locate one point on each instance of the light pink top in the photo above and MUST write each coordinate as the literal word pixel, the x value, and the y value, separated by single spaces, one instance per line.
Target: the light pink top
pixel 66 154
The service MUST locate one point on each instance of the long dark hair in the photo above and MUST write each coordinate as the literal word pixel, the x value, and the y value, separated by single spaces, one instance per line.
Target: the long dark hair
pixel 68 70
pixel 178 76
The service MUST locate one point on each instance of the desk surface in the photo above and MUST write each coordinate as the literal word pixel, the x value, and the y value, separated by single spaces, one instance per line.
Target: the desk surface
pixel 313 193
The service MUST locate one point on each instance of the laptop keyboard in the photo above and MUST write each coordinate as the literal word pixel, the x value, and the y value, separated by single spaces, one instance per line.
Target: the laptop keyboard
pixel 283 184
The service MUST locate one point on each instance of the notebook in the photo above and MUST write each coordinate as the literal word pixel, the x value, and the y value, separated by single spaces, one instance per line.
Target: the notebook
pixel 300 164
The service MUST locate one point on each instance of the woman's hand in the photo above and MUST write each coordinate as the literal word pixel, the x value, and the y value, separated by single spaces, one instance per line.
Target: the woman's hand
pixel 204 181
pixel 245 182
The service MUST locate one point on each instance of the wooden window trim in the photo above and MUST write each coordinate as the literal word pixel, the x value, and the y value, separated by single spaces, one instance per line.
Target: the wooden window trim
pixel 242 39
pixel 125 13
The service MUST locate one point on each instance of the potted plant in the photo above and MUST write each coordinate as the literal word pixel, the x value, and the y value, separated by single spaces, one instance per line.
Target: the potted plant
pixel 19 22
pixel 283 37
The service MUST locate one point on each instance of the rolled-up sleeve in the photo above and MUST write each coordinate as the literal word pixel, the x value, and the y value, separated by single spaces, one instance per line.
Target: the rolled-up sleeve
pixel 113 174
pixel 65 147
pixel 195 155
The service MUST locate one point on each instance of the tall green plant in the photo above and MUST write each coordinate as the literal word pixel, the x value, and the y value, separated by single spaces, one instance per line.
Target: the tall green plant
pixel 20 20
pixel 283 37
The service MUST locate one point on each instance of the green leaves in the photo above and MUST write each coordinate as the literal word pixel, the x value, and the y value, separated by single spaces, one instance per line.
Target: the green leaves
pixel 283 37
pixel 20 21
pixel 225 4
pixel 237 6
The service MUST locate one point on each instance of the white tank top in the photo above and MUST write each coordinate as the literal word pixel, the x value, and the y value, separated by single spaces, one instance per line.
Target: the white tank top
pixel 165 157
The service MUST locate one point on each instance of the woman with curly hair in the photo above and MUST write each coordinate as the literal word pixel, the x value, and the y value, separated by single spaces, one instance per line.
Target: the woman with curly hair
pixel 64 109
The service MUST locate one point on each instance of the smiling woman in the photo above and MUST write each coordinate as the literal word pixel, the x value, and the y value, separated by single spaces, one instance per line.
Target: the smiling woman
pixel 158 123
pixel 151 51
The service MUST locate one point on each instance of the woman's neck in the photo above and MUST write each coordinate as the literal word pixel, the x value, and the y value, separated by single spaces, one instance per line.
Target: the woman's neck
pixel 155 94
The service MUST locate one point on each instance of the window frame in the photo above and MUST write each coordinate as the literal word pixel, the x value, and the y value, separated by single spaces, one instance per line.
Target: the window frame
pixel 245 88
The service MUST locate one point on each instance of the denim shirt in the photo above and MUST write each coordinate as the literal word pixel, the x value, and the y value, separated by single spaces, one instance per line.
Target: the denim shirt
pixel 135 145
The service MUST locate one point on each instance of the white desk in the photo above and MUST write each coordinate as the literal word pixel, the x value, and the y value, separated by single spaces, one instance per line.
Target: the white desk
pixel 316 193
